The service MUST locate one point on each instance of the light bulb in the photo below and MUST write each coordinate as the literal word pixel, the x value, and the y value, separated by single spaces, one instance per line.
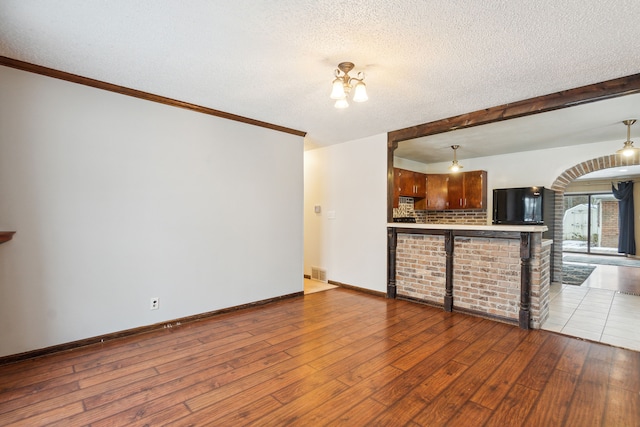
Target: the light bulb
pixel 455 166
pixel 360 94
pixel 338 89
pixel 342 103
pixel 628 150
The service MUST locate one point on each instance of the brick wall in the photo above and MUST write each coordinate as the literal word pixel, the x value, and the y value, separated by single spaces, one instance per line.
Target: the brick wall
pixel 609 224
pixel 420 267
pixel 453 217
pixel 486 274
pixel 540 282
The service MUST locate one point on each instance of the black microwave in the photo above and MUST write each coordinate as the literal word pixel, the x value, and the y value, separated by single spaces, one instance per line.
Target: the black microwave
pixel 518 206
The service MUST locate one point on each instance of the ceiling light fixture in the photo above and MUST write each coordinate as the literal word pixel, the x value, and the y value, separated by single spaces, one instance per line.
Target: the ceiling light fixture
pixel 343 83
pixel 628 150
pixel 455 166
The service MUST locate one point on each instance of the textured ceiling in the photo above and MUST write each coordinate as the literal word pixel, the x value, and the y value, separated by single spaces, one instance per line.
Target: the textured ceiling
pixel 273 60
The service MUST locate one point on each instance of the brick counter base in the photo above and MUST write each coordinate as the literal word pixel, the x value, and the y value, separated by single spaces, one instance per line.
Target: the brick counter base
pixel 486 274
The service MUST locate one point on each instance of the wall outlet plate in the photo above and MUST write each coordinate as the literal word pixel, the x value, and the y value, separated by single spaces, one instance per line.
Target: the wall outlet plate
pixel 154 304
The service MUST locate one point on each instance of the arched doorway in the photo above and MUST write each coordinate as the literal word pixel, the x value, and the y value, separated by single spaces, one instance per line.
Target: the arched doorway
pixel 566 178
pixel 593 312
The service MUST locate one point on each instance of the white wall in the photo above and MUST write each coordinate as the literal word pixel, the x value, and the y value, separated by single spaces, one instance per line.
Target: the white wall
pixel 535 167
pixel 350 181
pixel 116 200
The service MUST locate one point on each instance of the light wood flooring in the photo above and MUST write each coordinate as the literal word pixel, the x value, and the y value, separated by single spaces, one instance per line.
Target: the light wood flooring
pixel 312 286
pixel 337 357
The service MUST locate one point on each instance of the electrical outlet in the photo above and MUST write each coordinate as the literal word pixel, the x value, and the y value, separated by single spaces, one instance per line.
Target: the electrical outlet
pixel 155 303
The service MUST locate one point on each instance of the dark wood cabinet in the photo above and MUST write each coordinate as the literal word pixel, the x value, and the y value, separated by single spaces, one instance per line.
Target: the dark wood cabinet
pixel 420 181
pixel 475 190
pixel 437 191
pixel 466 190
pixel 405 183
pixel 455 195
pixel 409 184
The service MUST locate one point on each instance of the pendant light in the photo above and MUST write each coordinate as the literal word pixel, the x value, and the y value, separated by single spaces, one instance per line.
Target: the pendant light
pixel 628 150
pixel 455 166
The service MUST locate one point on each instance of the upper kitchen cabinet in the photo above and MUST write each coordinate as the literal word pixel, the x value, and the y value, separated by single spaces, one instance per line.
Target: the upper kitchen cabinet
pixel 409 184
pixel 455 187
pixel 437 192
pixel 475 190
pixel 466 190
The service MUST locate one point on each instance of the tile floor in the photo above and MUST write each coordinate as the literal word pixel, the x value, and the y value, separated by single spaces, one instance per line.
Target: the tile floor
pixel 595 314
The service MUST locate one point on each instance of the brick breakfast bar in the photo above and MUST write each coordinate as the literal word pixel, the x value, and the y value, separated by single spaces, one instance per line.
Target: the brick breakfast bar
pixel 496 271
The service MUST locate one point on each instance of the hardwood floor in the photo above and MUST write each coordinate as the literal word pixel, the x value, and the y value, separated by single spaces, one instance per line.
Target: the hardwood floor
pixel 337 357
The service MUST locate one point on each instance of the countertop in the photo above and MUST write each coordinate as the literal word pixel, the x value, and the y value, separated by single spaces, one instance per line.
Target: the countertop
pixel 520 228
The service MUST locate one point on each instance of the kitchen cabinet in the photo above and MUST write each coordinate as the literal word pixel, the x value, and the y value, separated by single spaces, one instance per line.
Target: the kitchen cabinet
pixel 463 190
pixel 455 190
pixel 409 184
pixel 437 190
pixel 475 190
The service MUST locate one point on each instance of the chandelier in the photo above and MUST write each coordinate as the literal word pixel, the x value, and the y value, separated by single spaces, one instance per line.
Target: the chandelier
pixel 628 149
pixel 343 83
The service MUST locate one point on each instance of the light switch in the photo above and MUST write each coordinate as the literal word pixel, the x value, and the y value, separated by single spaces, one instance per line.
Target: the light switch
pixel 317 209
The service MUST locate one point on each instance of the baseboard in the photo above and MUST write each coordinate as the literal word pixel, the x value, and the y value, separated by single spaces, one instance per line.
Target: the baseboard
pixel 5 360
pixel 356 288
pixel 420 301
pixel 460 310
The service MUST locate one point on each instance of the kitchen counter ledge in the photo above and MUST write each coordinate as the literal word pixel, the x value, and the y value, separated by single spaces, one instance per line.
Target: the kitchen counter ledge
pixel 468 227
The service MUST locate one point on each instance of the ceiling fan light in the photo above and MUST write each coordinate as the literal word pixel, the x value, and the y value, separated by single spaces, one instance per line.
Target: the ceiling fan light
pixel 337 92
pixel 360 94
pixel 342 103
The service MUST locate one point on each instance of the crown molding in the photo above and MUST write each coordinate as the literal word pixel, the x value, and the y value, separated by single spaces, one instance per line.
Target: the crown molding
pixel 74 78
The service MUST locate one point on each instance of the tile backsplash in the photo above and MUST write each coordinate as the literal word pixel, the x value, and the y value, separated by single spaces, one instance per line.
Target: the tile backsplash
pixel 457 216
pixel 405 208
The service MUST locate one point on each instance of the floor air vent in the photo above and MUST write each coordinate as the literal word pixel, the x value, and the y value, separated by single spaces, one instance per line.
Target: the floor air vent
pixel 318 274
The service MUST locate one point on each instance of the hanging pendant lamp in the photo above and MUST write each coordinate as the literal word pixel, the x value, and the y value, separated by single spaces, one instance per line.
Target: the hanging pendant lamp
pixel 628 150
pixel 455 166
